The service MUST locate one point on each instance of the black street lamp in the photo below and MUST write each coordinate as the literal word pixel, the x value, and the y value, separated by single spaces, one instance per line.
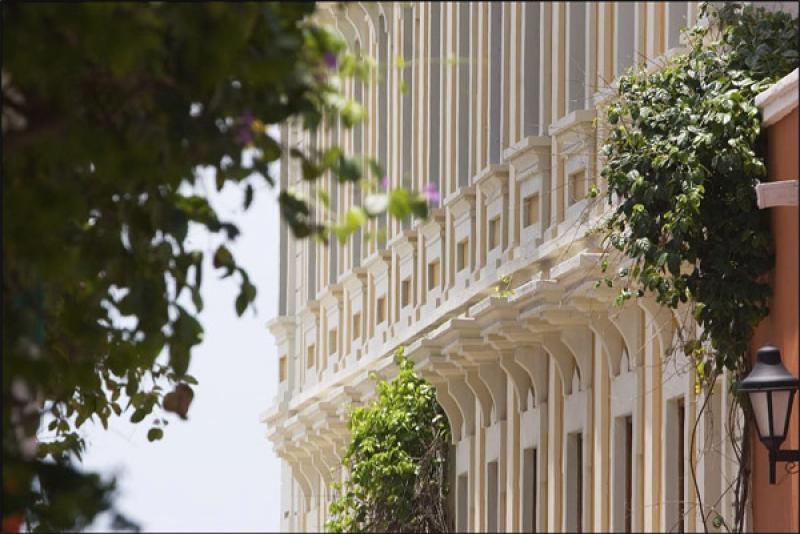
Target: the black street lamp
pixel 771 389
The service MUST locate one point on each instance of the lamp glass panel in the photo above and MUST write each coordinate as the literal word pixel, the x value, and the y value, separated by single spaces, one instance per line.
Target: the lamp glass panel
pixel 758 400
pixel 780 408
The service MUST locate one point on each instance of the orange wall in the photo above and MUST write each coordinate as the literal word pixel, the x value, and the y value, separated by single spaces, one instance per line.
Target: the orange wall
pixel 777 508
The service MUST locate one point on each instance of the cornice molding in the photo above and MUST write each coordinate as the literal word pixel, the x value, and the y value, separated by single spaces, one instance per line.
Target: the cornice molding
pixel 779 100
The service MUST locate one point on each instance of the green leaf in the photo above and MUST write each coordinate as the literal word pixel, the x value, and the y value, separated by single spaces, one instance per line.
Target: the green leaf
pixel 189 379
pixel 224 258
pixel 138 415
pixel 376 169
pixel 179 357
pixel 248 196
pixel 247 294
pixel 399 203
pixel 349 169
pixel 324 197
pixel 154 434
pixel 197 299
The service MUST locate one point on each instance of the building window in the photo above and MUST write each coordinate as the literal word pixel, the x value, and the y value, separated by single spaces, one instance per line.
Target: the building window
pixel 576 85
pixel 574 504
pixel 577 186
pixel 407 98
pixel 531 73
pixel 434 73
pixel 358 134
pixel 333 192
pixel 626 35
pixel 681 408
pixel 492 500
pixel 675 465
pixel 283 369
pixel 623 473
pixel 530 484
pixel 356 326
pixel 462 492
pixel 462 258
pixel 311 356
pixel 494 233
pixel 333 336
pixel 312 269
pixel 628 473
pixel 380 309
pixel 530 210
pixel 677 19
pixel 383 122
pixel 433 274
pixel 463 93
pixel 405 293
pixel 495 79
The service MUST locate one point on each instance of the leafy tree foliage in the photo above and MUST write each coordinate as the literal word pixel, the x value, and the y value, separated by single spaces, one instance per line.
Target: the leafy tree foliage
pixel 396 460
pixel 683 157
pixel 109 111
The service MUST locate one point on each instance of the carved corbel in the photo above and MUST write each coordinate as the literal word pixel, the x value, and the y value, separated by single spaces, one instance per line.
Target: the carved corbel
pixel 579 341
pixel 295 458
pixel 563 358
pixel 533 359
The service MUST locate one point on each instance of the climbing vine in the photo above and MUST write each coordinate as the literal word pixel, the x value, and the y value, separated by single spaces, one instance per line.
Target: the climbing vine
pixel 684 153
pixel 396 460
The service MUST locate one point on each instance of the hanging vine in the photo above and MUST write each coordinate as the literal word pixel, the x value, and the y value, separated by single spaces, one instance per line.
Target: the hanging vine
pixel 684 153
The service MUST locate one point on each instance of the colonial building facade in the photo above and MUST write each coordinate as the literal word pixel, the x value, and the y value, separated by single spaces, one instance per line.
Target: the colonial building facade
pixel 568 413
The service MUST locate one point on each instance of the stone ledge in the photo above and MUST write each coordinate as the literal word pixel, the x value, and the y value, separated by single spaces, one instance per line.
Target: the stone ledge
pixel 779 100
pixel 774 194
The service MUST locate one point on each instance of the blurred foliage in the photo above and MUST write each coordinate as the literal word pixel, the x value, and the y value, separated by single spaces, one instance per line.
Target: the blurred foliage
pixel 684 155
pixel 110 110
pixel 396 460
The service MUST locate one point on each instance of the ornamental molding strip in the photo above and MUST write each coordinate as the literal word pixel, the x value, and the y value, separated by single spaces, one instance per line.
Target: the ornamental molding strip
pixel 774 194
pixel 779 100
pixel 776 103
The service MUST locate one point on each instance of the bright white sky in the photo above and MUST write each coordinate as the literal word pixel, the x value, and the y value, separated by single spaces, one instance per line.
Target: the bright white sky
pixel 216 471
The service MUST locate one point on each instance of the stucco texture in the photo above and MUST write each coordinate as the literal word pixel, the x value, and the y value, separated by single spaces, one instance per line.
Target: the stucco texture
pixel 776 508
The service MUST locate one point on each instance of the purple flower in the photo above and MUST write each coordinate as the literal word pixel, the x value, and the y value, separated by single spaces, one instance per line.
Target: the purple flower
pixel 431 192
pixel 246 118
pixel 385 182
pixel 244 135
pixel 330 60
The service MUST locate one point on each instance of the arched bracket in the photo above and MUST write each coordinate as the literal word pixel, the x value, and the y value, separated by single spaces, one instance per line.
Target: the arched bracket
pixel 562 356
pixel 518 376
pixel 611 339
pixel 449 405
pixel 481 392
pixel 579 341
pixel 533 358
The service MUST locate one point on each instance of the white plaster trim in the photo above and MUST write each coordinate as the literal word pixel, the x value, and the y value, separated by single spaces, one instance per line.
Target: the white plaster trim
pixel 492 178
pixel 531 142
pixel 772 194
pixel 462 193
pixel 567 122
pixel 779 100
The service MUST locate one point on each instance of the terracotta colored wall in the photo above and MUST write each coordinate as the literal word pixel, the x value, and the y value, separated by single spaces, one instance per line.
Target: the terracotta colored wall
pixel 777 508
